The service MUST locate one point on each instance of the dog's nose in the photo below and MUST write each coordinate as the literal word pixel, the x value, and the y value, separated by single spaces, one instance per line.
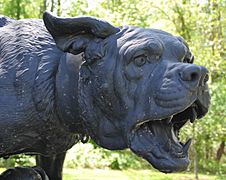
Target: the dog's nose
pixel 194 75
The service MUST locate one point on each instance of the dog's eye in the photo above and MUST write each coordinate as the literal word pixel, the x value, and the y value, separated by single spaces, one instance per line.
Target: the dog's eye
pixel 140 60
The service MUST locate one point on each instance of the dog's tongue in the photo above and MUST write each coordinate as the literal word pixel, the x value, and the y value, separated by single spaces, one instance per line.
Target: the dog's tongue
pixel 157 143
pixel 140 140
pixel 150 137
pixel 156 137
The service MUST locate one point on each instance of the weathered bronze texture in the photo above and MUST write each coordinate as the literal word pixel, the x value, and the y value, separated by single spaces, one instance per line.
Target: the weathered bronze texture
pixel 64 79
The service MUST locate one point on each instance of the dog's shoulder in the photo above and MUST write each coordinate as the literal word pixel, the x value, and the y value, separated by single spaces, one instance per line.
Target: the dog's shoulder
pixel 28 57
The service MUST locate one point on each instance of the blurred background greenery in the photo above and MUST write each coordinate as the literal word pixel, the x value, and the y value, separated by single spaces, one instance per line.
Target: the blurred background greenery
pixel 201 22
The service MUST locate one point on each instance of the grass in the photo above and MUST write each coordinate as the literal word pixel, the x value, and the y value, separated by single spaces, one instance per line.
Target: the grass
pixel 98 174
pixel 107 174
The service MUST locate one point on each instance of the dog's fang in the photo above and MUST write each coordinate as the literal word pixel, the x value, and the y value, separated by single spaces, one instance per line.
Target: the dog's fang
pixel 186 146
pixel 193 116
pixel 168 120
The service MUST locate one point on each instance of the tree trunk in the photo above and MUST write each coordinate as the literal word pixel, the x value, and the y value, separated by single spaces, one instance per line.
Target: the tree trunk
pixel 58 7
pixel 220 151
pixel 43 7
pixel 52 6
pixel 18 10
pixel 195 153
pixel 207 148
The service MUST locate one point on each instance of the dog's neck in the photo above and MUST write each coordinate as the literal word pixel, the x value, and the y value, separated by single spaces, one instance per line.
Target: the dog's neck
pixel 103 122
pixel 67 106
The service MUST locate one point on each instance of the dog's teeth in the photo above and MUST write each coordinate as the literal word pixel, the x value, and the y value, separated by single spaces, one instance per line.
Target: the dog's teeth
pixel 168 120
pixel 186 146
pixel 193 116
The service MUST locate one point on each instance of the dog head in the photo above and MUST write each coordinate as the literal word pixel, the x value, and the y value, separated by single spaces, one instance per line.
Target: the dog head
pixel 137 87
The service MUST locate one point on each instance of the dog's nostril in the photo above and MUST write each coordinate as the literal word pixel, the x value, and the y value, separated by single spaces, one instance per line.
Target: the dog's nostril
pixel 194 76
pixel 191 73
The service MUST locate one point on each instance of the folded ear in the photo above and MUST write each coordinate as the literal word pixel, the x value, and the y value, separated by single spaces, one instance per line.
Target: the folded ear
pixel 73 34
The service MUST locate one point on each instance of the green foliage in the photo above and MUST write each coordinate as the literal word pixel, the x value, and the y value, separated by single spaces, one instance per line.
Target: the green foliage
pixel 17 160
pixel 91 156
pixel 20 9
pixel 201 22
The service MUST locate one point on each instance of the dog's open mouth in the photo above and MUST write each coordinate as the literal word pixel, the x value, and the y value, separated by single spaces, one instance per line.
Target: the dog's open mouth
pixel 158 142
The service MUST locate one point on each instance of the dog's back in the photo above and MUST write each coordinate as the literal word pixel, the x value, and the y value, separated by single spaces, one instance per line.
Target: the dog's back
pixel 4 20
pixel 28 62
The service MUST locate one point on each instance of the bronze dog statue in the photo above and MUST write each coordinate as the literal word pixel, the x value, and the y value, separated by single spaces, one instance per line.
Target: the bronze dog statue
pixel 70 78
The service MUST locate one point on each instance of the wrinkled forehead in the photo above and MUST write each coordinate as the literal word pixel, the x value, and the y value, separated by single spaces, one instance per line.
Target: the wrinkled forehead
pixel 133 39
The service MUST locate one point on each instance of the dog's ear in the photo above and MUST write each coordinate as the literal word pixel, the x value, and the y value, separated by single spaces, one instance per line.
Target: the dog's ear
pixel 73 34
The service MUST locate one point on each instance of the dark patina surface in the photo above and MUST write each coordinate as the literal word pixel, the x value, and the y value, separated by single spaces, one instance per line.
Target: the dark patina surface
pixel 126 87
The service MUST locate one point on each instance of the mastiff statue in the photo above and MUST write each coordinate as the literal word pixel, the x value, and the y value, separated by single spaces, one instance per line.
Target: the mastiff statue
pixel 63 80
